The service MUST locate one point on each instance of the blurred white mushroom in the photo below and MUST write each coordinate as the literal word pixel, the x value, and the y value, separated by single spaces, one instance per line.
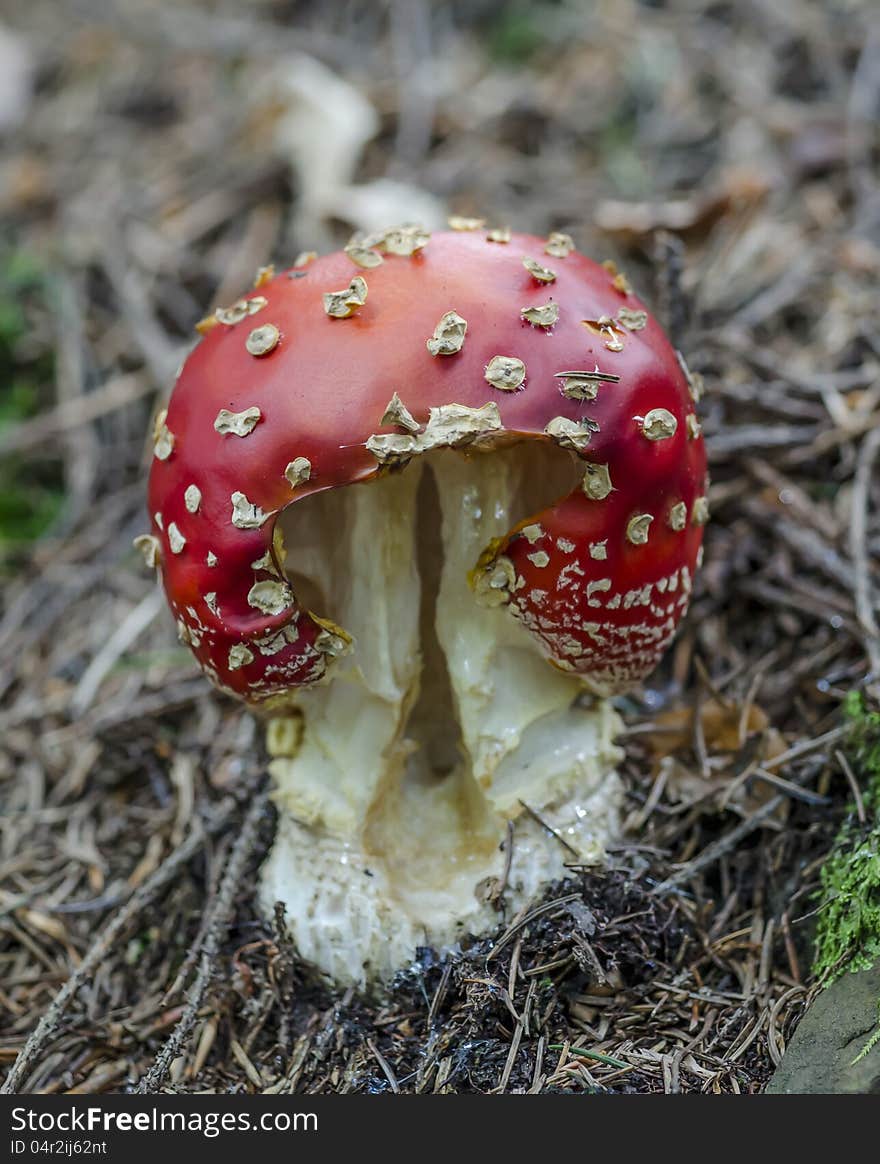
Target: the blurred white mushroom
pixel 16 78
pixel 325 124
pixel 372 206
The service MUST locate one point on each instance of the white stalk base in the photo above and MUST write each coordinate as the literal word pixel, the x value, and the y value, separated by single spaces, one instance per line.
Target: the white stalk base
pixel 359 921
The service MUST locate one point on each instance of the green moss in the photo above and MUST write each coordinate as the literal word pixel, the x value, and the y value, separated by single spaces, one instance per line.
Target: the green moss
pixel 516 35
pixel 31 487
pixel 848 933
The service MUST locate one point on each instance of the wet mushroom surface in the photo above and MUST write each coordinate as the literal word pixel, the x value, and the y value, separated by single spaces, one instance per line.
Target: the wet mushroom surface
pixel 417 515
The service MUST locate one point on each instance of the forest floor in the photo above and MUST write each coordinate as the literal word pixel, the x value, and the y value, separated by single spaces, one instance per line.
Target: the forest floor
pixel 151 159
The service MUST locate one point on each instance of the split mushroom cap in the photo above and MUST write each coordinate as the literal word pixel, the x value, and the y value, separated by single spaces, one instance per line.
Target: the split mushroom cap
pixel 344 368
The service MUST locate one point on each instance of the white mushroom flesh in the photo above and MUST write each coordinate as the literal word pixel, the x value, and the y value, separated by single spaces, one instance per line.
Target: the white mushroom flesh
pixel 436 728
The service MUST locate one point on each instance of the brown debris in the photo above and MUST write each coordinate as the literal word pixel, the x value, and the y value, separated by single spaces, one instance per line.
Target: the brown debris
pixel 125 881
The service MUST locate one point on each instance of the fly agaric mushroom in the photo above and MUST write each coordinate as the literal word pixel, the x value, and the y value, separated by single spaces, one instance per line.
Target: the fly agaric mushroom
pixel 427 503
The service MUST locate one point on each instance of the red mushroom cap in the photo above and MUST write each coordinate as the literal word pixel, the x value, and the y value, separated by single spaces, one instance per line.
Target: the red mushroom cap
pixel 288 394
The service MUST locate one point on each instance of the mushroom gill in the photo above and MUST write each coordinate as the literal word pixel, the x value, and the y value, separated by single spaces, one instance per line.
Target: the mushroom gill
pixel 396 778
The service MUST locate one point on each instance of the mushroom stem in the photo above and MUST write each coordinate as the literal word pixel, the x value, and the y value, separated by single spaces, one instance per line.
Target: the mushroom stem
pixel 396 787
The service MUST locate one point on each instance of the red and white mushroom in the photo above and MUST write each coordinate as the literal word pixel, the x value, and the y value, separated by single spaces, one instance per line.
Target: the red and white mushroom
pixel 411 499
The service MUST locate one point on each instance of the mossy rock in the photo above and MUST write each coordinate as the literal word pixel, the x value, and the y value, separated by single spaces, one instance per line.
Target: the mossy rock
pixel 826 1053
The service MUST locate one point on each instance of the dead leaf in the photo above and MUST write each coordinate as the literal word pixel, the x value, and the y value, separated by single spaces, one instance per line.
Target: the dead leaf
pixel 671 745
pixel 630 223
